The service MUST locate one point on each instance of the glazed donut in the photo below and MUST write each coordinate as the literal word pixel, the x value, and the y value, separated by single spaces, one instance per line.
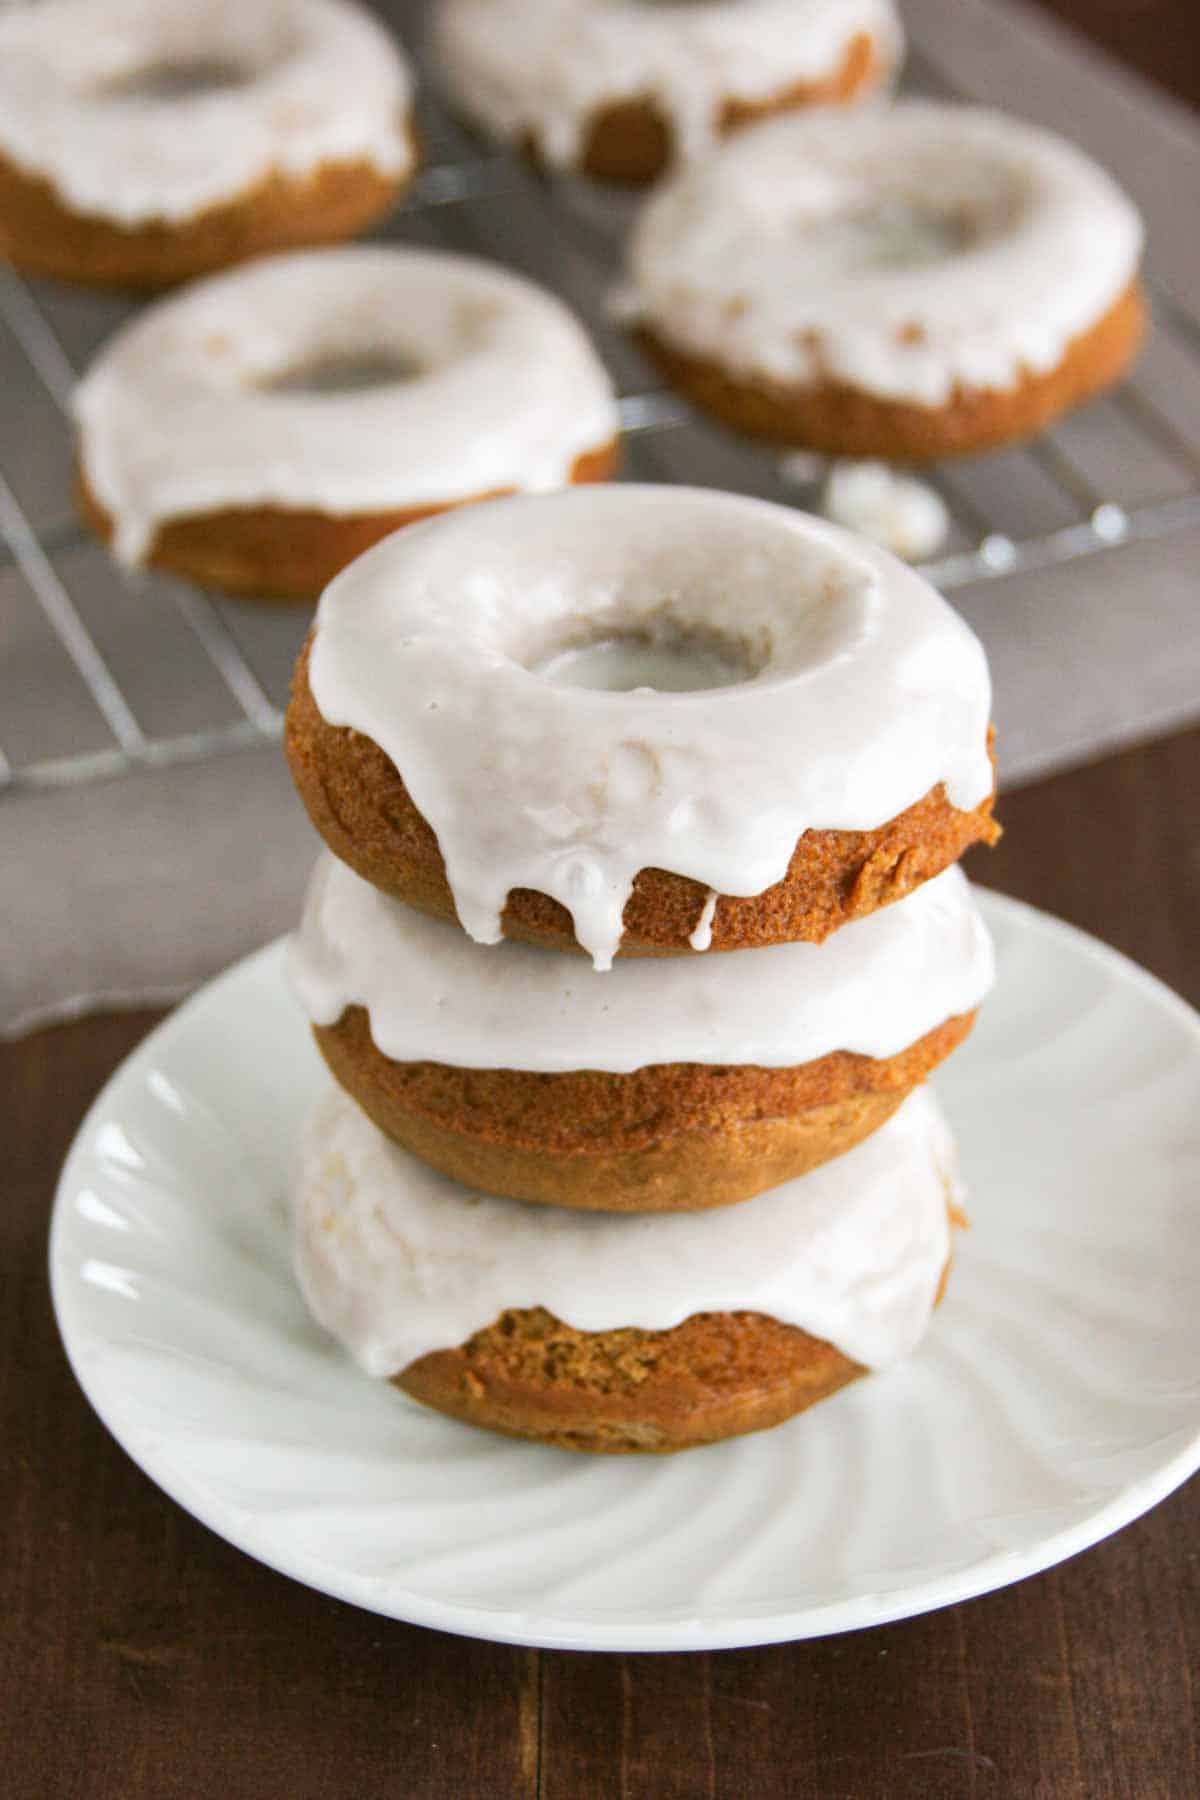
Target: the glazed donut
pixel 619 91
pixel 670 1084
pixel 616 1334
pixel 907 283
pixel 264 428
pixel 146 141
pixel 835 756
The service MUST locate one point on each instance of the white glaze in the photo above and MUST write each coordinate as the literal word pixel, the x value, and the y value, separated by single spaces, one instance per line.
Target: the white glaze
pixel 802 467
pixel 875 987
pixel 396 1260
pixel 814 247
pixel 905 515
pixel 870 691
pixel 323 82
pixel 182 412
pixel 702 933
pixel 544 68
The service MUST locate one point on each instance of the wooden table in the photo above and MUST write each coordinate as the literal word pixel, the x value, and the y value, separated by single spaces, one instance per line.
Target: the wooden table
pixel 142 1657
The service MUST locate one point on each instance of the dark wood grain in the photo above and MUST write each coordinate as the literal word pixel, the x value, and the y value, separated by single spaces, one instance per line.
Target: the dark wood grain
pixel 1115 848
pixel 1158 38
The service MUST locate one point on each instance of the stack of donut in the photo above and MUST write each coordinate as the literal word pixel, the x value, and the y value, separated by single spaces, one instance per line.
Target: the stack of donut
pixel 637 933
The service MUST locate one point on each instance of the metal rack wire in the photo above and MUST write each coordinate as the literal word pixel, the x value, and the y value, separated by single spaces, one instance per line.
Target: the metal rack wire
pixel 103 672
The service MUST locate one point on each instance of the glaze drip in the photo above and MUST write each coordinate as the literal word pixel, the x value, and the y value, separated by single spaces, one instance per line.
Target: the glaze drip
pixel 874 987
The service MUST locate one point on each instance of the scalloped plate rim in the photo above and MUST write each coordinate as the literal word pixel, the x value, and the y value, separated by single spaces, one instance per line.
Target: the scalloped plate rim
pixel 548 1629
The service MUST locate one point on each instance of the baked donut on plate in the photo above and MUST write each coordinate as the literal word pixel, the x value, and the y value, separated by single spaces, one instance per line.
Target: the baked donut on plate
pixel 262 429
pixel 594 1332
pixel 617 89
pixel 906 283
pixel 670 1084
pixel 483 723
pixel 146 141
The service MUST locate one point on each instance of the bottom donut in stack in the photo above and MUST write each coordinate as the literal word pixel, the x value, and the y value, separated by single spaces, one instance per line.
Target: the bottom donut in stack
pixel 684 1328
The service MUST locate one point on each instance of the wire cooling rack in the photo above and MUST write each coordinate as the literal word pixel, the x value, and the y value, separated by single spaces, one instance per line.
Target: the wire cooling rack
pixel 103 672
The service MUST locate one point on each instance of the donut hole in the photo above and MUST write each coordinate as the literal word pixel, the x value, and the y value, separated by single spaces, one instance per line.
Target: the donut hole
pixel 191 78
pixel 175 57
pixel 344 372
pixel 627 588
pixel 920 214
pixel 670 660
pixel 893 232
pixel 792 616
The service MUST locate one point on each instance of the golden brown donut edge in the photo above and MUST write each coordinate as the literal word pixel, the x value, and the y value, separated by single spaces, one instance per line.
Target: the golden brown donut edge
pixel 715 1376
pixel 631 141
pixel 668 1137
pixel 838 420
pixel 290 553
pixel 42 234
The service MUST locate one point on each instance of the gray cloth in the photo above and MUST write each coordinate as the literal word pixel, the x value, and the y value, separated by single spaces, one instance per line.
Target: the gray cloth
pixel 129 892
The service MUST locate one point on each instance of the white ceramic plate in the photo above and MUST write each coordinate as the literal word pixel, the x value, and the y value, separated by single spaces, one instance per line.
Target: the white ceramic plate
pixel 1056 1398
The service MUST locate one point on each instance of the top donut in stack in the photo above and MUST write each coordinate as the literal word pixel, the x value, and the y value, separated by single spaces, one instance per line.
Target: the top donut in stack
pixel 654 725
